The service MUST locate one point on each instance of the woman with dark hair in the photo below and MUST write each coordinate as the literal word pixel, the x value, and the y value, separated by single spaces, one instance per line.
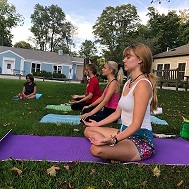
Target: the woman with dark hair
pixel 92 92
pixel 29 88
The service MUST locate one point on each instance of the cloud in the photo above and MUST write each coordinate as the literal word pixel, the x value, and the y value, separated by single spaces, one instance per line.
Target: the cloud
pixel 21 33
pixel 84 31
pixel 84 27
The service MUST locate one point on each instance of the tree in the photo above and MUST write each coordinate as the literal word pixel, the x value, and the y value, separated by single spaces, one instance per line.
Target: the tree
pixel 9 18
pixel 23 44
pixel 88 49
pixel 184 26
pixel 51 29
pixel 165 28
pixel 114 29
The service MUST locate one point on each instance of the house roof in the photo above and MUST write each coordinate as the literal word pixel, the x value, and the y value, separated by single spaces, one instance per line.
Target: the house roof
pixel 179 51
pixel 43 56
pixel 76 59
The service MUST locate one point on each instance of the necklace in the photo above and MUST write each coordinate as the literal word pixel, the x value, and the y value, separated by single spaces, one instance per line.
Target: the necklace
pixel 131 81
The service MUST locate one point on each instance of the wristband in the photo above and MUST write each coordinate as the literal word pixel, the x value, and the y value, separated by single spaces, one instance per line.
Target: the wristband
pixel 114 140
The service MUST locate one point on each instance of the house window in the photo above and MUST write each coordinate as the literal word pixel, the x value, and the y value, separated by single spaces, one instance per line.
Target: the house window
pixel 159 67
pixel 57 69
pixel 166 66
pixel 181 67
pixel 9 66
pixel 159 70
pixel 35 67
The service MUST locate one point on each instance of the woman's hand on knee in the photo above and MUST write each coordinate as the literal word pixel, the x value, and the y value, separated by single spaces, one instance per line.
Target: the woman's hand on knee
pixel 91 123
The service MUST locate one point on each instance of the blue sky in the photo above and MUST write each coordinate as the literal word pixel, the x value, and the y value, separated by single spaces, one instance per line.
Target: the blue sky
pixel 84 13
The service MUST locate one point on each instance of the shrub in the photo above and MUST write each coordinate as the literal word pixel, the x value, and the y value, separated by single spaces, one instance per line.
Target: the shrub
pixel 58 75
pixel 43 73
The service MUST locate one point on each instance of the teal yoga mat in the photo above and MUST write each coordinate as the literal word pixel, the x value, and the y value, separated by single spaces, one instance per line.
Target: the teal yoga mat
pixel 75 119
pixel 62 107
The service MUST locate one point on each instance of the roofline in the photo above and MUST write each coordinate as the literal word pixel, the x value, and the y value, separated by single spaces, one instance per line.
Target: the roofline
pixel 171 56
pixel 13 53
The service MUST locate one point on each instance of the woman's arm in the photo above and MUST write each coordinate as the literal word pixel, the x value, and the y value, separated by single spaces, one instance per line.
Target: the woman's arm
pixel 142 94
pixel 111 90
pixel 88 97
pixel 78 96
pixel 95 102
pixel 98 101
pixel 23 89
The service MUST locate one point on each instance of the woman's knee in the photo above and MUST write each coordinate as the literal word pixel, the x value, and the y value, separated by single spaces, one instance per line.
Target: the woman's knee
pixel 87 131
pixel 96 150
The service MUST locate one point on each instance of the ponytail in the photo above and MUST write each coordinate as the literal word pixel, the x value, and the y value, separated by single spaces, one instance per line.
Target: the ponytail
pixel 152 77
pixel 120 75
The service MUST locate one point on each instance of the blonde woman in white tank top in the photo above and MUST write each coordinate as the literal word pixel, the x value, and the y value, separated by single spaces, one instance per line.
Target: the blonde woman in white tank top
pixel 134 140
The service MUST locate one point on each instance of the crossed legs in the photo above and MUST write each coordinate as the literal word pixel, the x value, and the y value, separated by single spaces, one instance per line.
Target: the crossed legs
pixel 124 151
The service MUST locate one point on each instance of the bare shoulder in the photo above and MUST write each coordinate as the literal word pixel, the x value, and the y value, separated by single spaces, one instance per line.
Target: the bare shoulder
pixel 143 86
pixel 144 83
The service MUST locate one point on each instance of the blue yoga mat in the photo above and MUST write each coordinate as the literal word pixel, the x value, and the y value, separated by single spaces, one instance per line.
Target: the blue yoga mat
pixel 38 95
pixel 75 119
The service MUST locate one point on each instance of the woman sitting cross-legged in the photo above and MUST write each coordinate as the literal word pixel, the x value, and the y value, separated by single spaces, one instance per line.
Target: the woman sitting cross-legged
pixel 92 90
pixel 29 88
pixel 107 103
pixel 134 140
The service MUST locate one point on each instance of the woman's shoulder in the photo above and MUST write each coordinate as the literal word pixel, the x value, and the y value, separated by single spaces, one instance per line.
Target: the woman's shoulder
pixel 143 82
pixel 143 85
pixel 94 79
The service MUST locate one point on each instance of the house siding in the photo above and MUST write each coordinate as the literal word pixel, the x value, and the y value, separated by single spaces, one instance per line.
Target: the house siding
pixel 22 59
pixel 79 72
pixel 47 67
pixel 27 67
pixel 10 56
pixel 173 61
pixel 66 71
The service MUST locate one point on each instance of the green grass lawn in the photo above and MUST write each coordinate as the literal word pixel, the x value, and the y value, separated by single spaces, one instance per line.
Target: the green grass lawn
pixel 23 116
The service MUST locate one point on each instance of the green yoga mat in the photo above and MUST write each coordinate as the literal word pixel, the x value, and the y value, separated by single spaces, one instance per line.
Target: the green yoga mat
pixel 62 107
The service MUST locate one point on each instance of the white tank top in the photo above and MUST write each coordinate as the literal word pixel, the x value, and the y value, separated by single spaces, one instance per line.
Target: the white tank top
pixel 126 103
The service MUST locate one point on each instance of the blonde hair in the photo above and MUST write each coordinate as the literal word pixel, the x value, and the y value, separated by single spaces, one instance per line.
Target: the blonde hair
pixel 144 53
pixel 114 66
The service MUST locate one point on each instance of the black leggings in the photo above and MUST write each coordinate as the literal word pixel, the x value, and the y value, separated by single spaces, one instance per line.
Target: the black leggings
pixel 79 106
pixel 100 115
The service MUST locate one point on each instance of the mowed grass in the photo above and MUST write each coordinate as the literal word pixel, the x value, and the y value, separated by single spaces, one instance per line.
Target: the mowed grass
pixel 23 116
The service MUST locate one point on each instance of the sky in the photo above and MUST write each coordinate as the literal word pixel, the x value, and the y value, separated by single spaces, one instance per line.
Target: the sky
pixel 84 13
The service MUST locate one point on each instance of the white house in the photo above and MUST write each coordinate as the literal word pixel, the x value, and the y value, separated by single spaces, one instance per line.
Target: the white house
pixel 25 61
pixel 172 59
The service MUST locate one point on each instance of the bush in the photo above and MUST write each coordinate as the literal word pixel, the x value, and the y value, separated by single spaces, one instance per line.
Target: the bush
pixel 58 75
pixel 43 73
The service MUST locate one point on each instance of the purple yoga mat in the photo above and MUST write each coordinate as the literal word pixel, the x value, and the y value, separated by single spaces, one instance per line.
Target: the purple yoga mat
pixel 68 149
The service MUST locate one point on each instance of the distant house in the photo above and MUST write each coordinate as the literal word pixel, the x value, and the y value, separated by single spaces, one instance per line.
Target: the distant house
pixel 25 61
pixel 172 59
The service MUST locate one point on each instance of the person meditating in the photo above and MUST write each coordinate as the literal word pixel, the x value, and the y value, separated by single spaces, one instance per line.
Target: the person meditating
pixel 29 88
pixel 92 90
pixel 107 103
pixel 134 140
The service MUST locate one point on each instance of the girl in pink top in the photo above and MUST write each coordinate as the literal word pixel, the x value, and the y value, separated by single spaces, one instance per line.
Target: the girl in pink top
pixel 107 103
